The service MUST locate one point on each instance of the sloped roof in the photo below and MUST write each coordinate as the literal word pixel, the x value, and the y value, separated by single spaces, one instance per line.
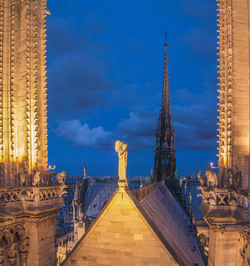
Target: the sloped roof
pixel 154 230
pixel 98 192
pixel 96 195
pixel 169 219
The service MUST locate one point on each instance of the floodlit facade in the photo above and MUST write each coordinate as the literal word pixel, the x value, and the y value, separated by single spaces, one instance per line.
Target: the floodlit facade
pixel 226 200
pixel 23 90
pixel 29 201
pixel 234 97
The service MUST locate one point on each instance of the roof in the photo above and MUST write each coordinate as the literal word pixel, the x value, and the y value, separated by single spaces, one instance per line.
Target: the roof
pixel 129 231
pixel 98 192
pixel 169 219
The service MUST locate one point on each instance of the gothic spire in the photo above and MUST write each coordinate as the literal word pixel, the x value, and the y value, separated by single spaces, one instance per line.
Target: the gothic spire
pixel 76 196
pixel 165 136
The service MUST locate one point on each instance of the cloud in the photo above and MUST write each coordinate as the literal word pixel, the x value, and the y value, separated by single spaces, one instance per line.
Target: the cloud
pixel 77 82
pixel 138 129
pixel 78 77
pixel 62 37
pixel 138 124
pixel 195 122
pixel 194 131
pixel 194 117
pixel 82 135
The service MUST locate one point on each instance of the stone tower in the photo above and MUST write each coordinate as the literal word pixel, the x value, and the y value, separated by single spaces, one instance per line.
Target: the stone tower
pixel 226 200
pixel 23 90
pixel 28 200
pixel 234 96
pixel 164 166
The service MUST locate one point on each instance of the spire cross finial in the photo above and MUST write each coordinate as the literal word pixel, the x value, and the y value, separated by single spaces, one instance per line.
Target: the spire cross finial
pixel 165 32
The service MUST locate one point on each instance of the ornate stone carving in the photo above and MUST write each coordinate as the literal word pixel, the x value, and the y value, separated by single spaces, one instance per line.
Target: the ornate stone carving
pixel 36 179
pixel 212 179
pixel 31 194
pixel 202 179
pixel 225 83
pixel 60 178
pixel 14 245
pixel 234 179
pixel 245 250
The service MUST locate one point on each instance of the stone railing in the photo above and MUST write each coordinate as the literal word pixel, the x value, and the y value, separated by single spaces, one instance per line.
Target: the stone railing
pixel 33 194
pixel 225 197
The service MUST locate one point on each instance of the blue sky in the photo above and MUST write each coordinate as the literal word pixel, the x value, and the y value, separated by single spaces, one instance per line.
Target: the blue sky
pixel 105 64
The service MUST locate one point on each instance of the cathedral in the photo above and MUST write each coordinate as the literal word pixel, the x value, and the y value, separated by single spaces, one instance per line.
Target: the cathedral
pixel 144 226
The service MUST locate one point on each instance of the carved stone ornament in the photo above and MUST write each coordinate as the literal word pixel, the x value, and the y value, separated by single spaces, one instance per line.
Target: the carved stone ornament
pixel 60 178
pixel 215 196
pixel 14 245
pixel 36 179
pixel 35 194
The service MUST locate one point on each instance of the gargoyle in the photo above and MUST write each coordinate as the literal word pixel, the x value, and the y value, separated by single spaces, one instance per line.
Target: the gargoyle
pixel 36 179
pixel 212 179
pixel 202 179
pixel 60 178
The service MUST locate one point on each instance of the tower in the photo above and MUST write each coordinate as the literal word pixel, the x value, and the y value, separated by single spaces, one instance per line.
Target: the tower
pixel 23 90
pixel 78 217
pixel 29 201
pixel 226 201
pixel 85 172
pixel 165 166
pixel 234 97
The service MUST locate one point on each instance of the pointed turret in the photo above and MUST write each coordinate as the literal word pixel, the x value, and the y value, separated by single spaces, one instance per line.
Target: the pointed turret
pixel 85 172
pixel 165 136
pixel 76 196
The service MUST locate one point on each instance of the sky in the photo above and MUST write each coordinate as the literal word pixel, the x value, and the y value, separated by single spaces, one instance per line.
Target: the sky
pixel 105 73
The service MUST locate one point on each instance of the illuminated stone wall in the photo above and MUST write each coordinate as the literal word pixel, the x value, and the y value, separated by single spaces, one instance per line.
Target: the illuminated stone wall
pixel 234 95
pixel 23 89
pixel 120 236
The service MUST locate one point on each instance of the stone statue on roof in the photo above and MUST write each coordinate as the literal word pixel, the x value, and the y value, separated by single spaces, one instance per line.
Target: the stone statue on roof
pixel 121 149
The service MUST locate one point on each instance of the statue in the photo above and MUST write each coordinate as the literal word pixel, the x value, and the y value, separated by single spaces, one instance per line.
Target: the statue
pixel 230 177
pixel 202 179
pixel 36 179
pixel 234 179
pixel 22 179
pixel 60 178
pixel 212 179
pixel 237 179
pixel 121 148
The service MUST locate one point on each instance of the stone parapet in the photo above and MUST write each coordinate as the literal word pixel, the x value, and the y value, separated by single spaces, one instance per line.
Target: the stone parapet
pixel 230 204
pixel 24 199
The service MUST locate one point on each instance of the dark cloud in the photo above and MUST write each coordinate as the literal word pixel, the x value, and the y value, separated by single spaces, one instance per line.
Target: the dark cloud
pixel 138 129
pixel 193 130
pixel 77 82
pixel 195 125
pixel 139 124
pixel 63 38
pixel 82 135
